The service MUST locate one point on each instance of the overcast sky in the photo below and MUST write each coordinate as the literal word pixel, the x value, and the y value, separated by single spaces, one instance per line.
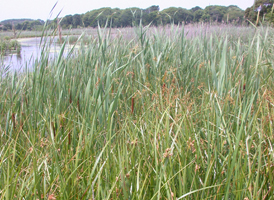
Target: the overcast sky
pixel 40 9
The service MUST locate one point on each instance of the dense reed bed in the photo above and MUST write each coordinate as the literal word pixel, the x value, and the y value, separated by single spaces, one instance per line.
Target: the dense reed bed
pixel 158 116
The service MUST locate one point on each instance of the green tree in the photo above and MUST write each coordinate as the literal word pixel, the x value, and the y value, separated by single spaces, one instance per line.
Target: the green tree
pixel 214 13
pixel 76 20
pixel 66 21
pixel 152 9
pixel 104 17
pixel 7 27
pixel 184 15
pixel 195 9
pixel 234 14
pixel 126 18
pixel 153 18
pixel 18 26
pixel 86 19
pixel 197 16
pixel 169 15
pixel 115 19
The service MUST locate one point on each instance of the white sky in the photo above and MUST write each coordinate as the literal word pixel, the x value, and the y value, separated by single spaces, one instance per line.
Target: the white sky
pixel 40 9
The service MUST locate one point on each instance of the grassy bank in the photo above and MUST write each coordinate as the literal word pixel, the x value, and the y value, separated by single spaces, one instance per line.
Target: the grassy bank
pixel 161 116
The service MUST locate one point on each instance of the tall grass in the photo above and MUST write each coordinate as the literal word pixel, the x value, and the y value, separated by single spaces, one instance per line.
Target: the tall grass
pixel 161 116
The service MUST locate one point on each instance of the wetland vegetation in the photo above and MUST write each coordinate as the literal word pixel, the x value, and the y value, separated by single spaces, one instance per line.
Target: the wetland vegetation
pixel 164 114
pixel 8 46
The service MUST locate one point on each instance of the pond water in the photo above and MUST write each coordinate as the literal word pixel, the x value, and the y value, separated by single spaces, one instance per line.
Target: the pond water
pixel 30 51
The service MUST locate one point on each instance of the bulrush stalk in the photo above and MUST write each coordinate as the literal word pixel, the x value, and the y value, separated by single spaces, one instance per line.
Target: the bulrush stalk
pixel 69 138
pixel 13 120
pixel 78 104
pixel 132 104
pixel 59 31
pixel 53 129
pixel 258 17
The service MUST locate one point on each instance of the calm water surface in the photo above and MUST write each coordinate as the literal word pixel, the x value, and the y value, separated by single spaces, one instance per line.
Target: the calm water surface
pixel 30 51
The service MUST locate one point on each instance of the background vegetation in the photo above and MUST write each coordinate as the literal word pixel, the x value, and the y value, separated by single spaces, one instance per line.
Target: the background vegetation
pixel 21 24
pixel 127 17
pixel 116 17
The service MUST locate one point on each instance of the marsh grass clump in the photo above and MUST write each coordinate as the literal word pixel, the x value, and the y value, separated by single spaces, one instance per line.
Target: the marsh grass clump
pixel 9 46
pixel 158 116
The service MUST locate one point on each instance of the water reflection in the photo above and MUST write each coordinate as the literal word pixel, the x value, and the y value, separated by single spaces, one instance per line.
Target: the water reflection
pixel 30 51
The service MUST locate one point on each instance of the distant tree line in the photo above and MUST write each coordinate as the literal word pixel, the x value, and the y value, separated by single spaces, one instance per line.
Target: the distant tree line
pixel 152 15
pixel 21 24
pixel 116 17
